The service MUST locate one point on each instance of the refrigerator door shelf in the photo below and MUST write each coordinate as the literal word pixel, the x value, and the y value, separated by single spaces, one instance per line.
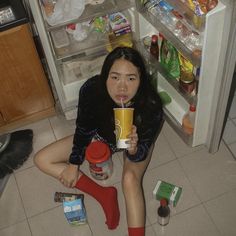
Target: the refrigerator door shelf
pixel 196 22
pixel 188 139
pixel 176 85
pixel 164 74
pixel 194 57
pixel 175 110
pixel 178 106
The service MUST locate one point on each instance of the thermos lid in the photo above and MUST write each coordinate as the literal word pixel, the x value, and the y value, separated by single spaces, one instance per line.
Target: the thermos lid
pixel 97 152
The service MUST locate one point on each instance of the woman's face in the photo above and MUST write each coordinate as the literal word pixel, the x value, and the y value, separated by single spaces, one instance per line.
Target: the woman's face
pixel 123 81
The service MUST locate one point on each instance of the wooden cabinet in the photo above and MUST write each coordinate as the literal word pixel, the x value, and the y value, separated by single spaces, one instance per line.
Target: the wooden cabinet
pixel 25 94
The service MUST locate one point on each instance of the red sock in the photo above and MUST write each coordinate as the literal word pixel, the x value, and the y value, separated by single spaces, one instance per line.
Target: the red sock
pixel 106 196
pixel 139 231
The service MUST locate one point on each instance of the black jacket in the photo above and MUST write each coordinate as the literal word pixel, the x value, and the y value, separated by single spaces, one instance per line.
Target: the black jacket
pixel 95 117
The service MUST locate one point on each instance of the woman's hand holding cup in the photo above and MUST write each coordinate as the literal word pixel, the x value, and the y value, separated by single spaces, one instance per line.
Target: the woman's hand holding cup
pixel 133 142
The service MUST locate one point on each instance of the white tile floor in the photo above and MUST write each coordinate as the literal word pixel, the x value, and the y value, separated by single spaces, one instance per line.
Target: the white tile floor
pixel 206 207
pixel 229 135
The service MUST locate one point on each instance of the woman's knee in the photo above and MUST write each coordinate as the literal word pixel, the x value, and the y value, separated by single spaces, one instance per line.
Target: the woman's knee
pixel 39 159
pixel 130 181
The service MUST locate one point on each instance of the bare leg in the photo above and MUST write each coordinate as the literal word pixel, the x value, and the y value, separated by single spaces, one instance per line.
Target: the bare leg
pixel 133 192
pixel 53 159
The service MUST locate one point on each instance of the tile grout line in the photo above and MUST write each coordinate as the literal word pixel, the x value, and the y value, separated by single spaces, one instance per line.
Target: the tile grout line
pixel 26 218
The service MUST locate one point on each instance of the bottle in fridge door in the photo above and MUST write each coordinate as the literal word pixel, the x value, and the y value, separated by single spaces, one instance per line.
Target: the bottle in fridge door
pixel 154 48
pixel 187 81
pixel 189 120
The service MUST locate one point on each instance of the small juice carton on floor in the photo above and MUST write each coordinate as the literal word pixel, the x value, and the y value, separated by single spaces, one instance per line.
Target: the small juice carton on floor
pixel 75 212
pixel 73 206
pixel 168 191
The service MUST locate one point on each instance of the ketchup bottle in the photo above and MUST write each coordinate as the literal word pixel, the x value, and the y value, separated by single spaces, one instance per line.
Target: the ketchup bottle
pixel 154 48
pixel 189 120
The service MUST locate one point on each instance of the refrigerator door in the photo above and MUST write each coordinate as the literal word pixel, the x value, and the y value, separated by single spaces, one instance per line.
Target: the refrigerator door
pixel 216 70
pixel 221 99
pixel 215 44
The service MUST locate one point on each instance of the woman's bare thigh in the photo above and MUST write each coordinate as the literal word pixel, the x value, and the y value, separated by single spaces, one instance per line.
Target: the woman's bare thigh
pixel 57 152
pixel 138 168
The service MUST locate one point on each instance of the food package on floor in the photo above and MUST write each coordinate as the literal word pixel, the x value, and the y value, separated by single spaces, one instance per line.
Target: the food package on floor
pixel 75 212
pixel 168 191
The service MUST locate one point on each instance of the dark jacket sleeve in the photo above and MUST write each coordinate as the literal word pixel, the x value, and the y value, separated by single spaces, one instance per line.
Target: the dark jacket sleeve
pixel 85 124
pixel 148 132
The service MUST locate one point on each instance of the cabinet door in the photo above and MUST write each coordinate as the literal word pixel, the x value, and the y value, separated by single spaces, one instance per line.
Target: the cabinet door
pixel 24 88
pixel 2 122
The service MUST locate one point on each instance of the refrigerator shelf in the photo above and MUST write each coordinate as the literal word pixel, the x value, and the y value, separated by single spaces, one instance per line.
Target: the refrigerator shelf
pixel 94 43
pixel 195 58
pixel 81 68
pixel 91 40
pixel 91 11
pixel 91 45
pixel 70 91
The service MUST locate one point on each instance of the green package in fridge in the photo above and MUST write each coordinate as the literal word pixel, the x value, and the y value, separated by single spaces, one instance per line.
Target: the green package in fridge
pixel 168 191
pixel 169 59
pixel 165 98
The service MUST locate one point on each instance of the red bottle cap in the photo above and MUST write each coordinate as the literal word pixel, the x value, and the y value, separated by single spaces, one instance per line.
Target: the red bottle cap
pixel 192 108
pixel 154 38
pixel 163 202
pixel 97 152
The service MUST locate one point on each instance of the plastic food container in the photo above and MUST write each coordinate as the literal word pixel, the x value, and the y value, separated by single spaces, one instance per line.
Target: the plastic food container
pixel 98 155
pixel 60 38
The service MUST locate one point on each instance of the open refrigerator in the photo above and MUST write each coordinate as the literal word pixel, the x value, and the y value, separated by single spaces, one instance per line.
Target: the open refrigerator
pixel 72 58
